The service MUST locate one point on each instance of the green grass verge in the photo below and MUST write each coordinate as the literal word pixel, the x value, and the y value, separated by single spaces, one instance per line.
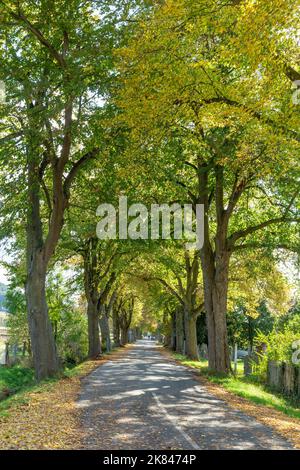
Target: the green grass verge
pixel 20 397
pixel 14 378
pixel 245 387
pixel 21 380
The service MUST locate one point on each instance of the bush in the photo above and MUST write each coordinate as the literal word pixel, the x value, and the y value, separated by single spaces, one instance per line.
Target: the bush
pixel 13 379
pixel 279 347
pixel 72 340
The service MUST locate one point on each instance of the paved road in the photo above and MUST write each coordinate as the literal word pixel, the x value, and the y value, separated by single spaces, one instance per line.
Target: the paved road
pixel 144 401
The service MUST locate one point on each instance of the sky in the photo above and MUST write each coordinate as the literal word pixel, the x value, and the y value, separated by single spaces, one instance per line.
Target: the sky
pixel 3 257
pixel 3 275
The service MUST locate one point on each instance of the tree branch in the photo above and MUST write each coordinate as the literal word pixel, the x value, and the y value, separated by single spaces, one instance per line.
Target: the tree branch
pixel 20 16
pixel 76 167
pixel 243 233
pixel 280 246
pixel 11 136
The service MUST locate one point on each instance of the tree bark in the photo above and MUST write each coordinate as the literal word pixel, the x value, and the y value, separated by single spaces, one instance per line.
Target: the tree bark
pixel 190 326
pixel 124 336
pixel 42 340
pixel 93 329
pixel 92 296
pixel 172 338
pixel 215 277
pixel 215 270
pixel 105 333
pixel 126 310
pixel 179 331
pixel 222 357
pixel 116 328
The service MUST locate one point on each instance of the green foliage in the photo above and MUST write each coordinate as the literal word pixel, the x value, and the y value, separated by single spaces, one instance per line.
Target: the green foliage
pixel 243 327
pixel 69 322
pixel 13 379
pixel 3 290
pixel 291 321
pixel 279 344
pixel 72 341
pixel 17 319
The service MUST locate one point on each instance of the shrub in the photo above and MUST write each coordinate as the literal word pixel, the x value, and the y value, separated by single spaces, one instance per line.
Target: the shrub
pixel 279 347
pixel 72 341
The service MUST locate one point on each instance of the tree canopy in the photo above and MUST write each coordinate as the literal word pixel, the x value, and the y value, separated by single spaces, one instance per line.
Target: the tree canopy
pixel 186 102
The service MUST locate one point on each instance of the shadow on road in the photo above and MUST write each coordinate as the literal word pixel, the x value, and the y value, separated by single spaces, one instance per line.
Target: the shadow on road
pixel 143 401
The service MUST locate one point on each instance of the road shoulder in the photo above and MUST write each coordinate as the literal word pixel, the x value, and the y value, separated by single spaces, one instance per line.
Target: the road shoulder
pixel 284 425
pixel 47 417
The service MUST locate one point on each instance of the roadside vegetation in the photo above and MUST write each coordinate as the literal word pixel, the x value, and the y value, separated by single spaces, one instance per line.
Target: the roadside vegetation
pixel 249 387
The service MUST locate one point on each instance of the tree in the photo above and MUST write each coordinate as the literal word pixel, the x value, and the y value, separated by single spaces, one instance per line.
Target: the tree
pixel 125 317
pixel 180 277
pixel 54 79
pixel 207 116
pixel 105 314
pixel 99 277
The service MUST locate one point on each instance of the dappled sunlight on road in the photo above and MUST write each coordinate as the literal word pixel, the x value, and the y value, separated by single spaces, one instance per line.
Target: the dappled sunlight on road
pixel 143 401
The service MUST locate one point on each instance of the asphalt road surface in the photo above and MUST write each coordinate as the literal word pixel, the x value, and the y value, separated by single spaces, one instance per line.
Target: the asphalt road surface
pixel 143 401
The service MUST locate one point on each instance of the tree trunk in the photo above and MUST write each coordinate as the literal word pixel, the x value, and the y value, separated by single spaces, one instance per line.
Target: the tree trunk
pixel 105 333
pixel 190 326
pixel 124 336
pixel 42 340
pixel 6 360
pixel 179 331
pixel 170 340
pixel 116 328
pixel 215 267
pixel 215 297
pixel 93 329
pixel 222 359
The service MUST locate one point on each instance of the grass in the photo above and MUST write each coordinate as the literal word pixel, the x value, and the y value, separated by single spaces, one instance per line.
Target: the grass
pixel 245 387
pixel 20 397
pixel 18 381
pixel 202 364
pixel 13 379
pixel 16 378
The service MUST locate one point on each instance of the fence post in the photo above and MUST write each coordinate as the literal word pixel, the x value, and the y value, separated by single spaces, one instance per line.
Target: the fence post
pixel 247 365
pixel 289 374
pixel 275 375
pixel 7 358
pixel 235 354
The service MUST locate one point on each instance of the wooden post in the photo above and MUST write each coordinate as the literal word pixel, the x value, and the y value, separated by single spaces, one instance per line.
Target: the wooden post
pixel 6 354
pixel 235 358
pixel 289 379
pixel 275 375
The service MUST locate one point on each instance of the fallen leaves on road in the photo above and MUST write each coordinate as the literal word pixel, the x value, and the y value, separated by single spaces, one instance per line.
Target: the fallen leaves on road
pixel 284 425
pixel 281 423
pixel 47 418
